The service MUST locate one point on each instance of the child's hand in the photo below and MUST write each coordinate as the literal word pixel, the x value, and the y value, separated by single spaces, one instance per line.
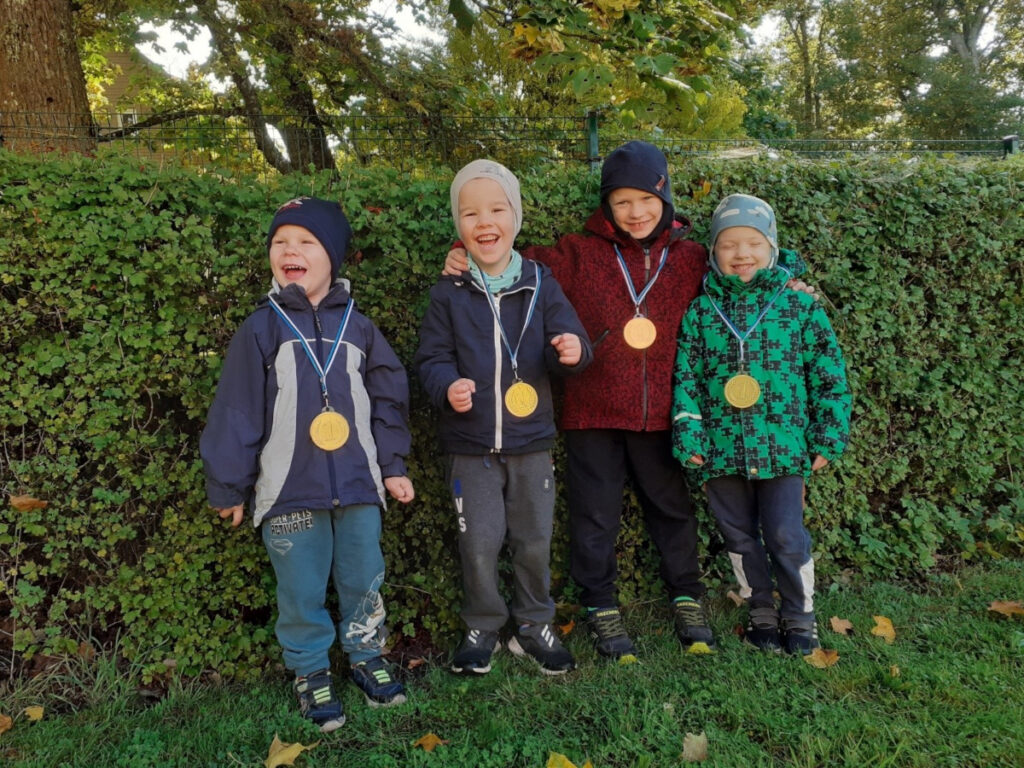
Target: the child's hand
pixel 569 348
pixel 235 513
pixel 460 394
pixel 400 488
pixel 696 459
pixel 798 285
pixel 456 262
pixel 819 462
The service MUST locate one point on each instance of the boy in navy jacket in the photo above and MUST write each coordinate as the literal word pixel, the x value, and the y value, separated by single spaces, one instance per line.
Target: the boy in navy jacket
pixel 309 427
pixel 489 341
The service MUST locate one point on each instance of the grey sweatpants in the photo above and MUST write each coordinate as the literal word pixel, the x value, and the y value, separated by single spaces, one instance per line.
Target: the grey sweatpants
pixel 496 497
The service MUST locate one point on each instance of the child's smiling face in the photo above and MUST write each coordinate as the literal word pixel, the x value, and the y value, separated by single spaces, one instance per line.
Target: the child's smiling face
pixel 635 211
pixel 487 224
pixel 296 256
pixel 742 251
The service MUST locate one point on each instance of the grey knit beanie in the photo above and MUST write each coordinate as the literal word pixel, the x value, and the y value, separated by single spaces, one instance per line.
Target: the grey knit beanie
pixel 743 211
pixel 488 169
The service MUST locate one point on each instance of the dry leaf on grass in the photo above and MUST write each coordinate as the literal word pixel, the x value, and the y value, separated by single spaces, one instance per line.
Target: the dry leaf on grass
pixel 413 663
pixel 1007 607
pixel 6 723
pixel 34 713
pixel 284 754
pixel 894 671
pixel 568 627
pixel 558 760
pixel 883 628
pixel 822 658
pixel 695 747
pixel 27 503
pixel 736 599
pixel 428 742
pixel 841 626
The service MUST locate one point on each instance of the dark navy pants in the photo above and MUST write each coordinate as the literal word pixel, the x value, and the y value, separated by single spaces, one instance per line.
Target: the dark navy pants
pixel 762 522
pixel 599 462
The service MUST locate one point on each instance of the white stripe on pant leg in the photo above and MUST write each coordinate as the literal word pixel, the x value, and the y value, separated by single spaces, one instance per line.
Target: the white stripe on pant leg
pixel 807 583
pixel 741 576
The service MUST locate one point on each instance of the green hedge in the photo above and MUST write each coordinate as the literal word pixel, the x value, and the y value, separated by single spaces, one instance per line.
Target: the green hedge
pixel 122 284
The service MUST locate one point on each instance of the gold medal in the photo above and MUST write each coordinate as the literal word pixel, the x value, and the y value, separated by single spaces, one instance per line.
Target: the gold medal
pixel 329 430
pixel 640 332
pixel 521 399
pixel 742 391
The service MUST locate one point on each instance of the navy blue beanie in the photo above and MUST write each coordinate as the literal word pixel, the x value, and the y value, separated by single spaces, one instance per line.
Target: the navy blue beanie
pixel 639 165
pixel 323 218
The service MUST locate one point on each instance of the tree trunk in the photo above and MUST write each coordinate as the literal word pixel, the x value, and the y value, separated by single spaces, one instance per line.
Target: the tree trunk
pixel 43 102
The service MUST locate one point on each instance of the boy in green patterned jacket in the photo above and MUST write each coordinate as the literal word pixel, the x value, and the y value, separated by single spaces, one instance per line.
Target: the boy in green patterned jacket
pixel 761 402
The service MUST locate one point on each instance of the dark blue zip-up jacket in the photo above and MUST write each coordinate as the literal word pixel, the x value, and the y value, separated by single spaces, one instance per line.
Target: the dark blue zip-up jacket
pixel 459 338
pixel 256 445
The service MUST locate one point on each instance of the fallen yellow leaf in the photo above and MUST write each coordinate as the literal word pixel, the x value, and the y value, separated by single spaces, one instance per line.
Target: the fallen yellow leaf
pixel 6 723
pixel 27 503
pixel 841 626
pixel 284 754
pixel 558 760
pixel 736 599
pixel 822 658
pixel 1007 607
pixel 429 742
pixel 883 628
pixel 34 713
pixel 894 671
pixel 695 747
pixel 568 627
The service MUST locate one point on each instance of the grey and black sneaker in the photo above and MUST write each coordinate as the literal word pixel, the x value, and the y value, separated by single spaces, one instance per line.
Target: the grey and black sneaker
pixel 692 626
pixel 540 643
pixel 474 653
pixel 375 681
pixel 318 701
pixel 800 636
pixel 609 634
pixel 762 629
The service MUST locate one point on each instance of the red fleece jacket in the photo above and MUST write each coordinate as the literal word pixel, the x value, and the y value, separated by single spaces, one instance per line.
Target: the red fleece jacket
pixel 624 388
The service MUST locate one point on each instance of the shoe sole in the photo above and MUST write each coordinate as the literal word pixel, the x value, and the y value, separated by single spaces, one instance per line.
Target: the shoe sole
pixel 517 650
pixel 700 648
pixel 394 701
pixel 332 725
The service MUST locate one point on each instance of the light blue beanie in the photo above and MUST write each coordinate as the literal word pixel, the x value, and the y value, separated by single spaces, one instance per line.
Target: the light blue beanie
pixel 743 211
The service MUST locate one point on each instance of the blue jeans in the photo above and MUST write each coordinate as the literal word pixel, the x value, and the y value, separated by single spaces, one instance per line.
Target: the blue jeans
pixel 306 549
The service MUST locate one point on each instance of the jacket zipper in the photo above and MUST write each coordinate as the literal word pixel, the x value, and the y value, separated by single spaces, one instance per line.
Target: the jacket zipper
pixel 327 454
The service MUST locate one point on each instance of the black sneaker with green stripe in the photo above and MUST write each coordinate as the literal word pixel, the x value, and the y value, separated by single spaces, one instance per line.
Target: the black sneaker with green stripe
pixel 318 701
pixel 691 625
pixel 377 684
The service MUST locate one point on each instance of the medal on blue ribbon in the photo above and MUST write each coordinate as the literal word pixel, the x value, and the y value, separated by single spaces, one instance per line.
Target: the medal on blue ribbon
pixel 639 332
pixel 329 430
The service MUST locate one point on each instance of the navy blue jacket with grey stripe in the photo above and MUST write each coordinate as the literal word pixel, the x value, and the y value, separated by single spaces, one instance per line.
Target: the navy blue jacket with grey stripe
pixel 460 339
pixel 256 446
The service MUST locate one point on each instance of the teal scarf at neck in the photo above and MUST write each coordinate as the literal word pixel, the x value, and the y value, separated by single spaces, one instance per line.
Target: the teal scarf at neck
pixel 506 279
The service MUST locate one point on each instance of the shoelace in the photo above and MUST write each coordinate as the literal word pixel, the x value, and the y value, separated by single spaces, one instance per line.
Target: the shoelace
pixel 689 612
pixel 608 623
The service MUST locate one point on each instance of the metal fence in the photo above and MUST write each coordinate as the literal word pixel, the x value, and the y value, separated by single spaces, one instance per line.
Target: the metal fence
pixel 285 143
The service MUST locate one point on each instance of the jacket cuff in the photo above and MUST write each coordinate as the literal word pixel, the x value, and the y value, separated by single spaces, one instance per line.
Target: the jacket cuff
pixel 395 469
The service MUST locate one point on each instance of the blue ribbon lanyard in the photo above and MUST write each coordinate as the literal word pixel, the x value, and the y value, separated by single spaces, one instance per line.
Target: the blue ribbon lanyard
pixel 512 353
pixel 742 337
pixel 639 299
pixel 321 370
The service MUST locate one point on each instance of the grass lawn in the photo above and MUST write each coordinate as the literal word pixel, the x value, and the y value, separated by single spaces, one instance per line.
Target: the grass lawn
pixel 948 692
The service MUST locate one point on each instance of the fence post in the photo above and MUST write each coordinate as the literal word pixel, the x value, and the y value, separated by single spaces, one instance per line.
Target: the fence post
pixel 1011 145
pixel 593 156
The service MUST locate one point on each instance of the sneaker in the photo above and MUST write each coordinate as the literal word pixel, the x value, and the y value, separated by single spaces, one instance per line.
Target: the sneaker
pixel 540 643
pixel 800 636
pixel 609 634
pixel 474 653
pixel 377 684
pixel 318 701
pixel 762 629
pixel 692 625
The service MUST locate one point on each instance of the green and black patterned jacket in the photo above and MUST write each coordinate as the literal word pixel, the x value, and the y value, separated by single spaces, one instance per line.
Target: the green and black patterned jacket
pixel 804 406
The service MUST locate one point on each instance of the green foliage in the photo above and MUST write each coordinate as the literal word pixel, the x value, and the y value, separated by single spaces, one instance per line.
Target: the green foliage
pixel 121 285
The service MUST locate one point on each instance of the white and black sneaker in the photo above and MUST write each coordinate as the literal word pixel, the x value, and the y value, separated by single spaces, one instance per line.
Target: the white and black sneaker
pixel 540 643
pixel 473 656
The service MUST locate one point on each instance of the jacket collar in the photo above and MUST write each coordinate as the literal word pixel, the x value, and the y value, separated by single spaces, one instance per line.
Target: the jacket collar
pixel 294 297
